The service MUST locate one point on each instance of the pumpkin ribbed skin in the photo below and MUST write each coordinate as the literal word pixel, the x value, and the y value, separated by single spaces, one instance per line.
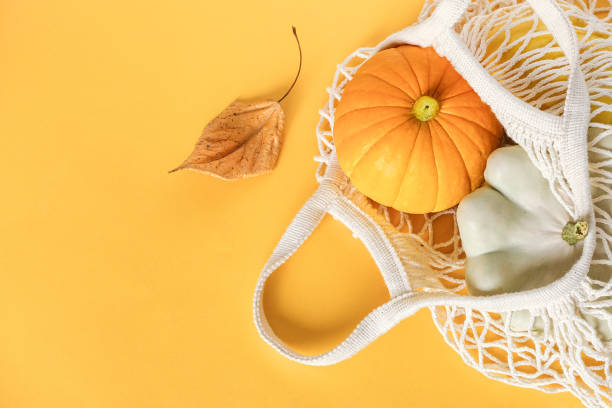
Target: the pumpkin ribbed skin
pixel 398 160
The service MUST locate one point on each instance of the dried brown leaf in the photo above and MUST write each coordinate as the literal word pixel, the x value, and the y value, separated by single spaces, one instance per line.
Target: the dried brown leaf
pixel 242 141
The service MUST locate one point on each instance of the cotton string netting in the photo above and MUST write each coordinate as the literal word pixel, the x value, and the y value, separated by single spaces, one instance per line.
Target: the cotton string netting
pixel 567 354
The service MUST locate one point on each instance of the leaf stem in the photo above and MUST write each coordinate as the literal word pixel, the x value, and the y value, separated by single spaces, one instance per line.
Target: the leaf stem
pixel 299 68
pixel 574 232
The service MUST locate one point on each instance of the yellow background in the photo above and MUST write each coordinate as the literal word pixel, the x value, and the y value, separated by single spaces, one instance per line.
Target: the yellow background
pixel 123 286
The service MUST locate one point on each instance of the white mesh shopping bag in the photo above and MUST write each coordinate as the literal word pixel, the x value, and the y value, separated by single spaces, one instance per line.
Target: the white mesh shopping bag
pixel 559 109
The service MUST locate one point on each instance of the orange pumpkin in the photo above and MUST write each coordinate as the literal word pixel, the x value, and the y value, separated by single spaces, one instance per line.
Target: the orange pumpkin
pixel 411 133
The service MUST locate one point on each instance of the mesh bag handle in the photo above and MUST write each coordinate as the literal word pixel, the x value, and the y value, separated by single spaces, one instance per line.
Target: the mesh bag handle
pixel 328 198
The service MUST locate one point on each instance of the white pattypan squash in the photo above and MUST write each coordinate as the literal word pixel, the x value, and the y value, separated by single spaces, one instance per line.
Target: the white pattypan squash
pixel 512 227
pixel 516 235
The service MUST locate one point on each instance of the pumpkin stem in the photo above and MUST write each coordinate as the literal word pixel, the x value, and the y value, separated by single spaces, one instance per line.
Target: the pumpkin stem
pixel 574 232
pixel 425 108
pixel 299 68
